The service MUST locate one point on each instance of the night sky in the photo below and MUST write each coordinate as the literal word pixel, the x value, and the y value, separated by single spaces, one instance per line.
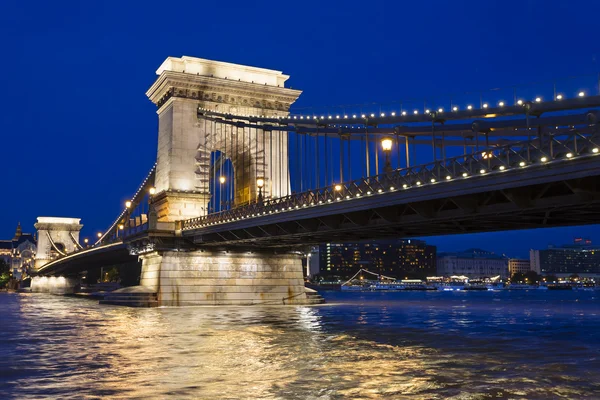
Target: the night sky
pixel 79 134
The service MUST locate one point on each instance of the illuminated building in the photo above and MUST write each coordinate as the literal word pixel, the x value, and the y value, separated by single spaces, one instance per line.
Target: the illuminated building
pixel 518 265
pixel 399 258
pixel 580 258
pixel 19 253
pixel 474 263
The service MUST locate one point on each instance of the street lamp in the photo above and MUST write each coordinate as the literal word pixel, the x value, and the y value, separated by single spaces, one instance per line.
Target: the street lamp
pixel 260 182
pixel 152 191
pixel 387 147
pixel 222 179
pixel 127 204
pixel 99 235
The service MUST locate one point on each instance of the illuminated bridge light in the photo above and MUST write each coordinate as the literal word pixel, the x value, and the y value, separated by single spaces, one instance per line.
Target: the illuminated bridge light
pixel 383 114
pixel 448 177
pixel 320 201
pixel 432 180
pixel 520 102
pixel 595 150
pixel 403 112
pixel 469 107
pixel 522 164
pixel 501 104
pixel 379 190
pixel 544 159
pixel 347 196
pixel 372 115
pixel 363 115
pixel 485 105
pixel 569 155
pixel 329 200
pixel 418 183
pixel 454 108
pixel 581 94
pixel 392 188
pixel 482 171
pixel 405 186
pixel 427 111
pixel 538 99
pixel 369 192
pixel 501 168
pixel 415 112
pixel 357 194
pixel 464 174
pixel 559 97
pixel 440 110
pixel 393 114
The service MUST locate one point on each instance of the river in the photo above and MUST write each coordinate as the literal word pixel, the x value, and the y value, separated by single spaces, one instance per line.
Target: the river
pixel 415 345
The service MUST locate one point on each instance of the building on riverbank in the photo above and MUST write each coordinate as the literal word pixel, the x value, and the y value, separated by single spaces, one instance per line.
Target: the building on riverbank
pixel 19 252
pixel 473 263
pixel 580 258
pixel 398 258
pixel 518 266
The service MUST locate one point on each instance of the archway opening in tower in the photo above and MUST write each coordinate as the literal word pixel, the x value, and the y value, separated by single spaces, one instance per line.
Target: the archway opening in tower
pixel 221 182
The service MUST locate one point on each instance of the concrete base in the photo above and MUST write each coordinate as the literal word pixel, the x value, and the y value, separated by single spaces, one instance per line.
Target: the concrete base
pixel 53 284
pixel 224 278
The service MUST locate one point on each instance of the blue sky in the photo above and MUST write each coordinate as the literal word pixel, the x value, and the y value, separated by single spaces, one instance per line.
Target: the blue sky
pixel 79 134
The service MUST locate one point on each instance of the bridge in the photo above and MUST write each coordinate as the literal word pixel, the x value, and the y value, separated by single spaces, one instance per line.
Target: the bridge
pixel 242 184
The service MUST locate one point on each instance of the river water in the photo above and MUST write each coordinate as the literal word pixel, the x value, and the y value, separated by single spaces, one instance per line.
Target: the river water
pixel 417 345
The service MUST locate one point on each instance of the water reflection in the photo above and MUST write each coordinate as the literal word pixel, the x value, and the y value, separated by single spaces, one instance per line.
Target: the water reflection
pixel 362 348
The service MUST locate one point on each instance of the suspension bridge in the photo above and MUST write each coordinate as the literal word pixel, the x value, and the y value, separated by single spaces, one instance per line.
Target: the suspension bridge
pixel 242 185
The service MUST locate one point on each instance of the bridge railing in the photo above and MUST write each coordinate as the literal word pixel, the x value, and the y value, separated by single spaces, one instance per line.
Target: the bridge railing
pixel 499 159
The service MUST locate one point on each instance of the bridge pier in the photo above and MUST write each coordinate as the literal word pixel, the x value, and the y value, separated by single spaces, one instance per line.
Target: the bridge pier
pixel 53 284
pixel 215 277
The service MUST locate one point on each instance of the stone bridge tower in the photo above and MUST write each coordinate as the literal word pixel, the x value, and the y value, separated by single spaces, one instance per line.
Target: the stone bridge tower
pixel 56 236
pixel 185 141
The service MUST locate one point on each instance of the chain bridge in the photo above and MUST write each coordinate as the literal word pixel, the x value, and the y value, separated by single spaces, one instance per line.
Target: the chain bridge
pixel 243 184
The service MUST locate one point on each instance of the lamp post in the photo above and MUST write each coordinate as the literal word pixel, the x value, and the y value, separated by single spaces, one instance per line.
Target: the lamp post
pixel 386 144
pixel 260 182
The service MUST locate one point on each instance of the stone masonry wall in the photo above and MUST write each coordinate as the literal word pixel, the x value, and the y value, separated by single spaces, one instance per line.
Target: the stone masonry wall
pixel 222 278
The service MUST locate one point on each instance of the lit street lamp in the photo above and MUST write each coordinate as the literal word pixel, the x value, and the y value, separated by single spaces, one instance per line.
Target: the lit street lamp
pixel 222 179
pixel 387 147
pixel 260 182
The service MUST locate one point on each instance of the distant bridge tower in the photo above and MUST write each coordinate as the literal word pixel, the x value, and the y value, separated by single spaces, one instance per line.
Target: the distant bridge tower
pixel 186 142
pixel 56 237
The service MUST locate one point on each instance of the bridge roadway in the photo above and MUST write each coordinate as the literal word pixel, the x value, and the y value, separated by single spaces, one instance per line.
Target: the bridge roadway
pixel 557 193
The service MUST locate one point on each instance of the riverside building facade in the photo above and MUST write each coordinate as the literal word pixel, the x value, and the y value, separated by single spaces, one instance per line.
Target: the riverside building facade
pixel 397 258
pixel 473 263
pixel 581 258
pixel 518 265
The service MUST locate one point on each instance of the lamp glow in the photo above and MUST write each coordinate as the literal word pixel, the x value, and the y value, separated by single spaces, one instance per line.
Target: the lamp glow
pixel 386 144
pixel 128 204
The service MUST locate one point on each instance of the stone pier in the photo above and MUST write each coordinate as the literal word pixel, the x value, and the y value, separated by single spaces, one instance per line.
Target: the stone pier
pixel 214 277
